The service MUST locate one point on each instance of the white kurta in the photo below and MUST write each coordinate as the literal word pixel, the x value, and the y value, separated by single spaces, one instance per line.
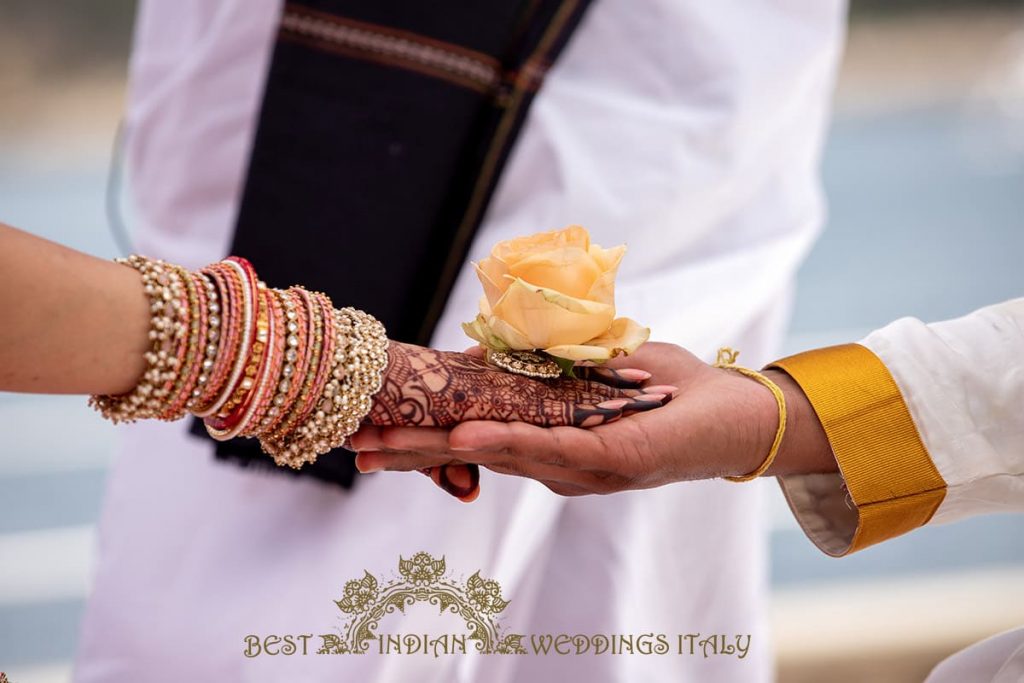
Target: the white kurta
pixel 690 130
pixel 962 382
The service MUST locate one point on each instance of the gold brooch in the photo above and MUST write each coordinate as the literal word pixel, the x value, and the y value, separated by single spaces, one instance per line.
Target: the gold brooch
pixel 525 363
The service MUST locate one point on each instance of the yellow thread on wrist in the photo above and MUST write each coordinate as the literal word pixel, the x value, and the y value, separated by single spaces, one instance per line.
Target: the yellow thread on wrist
pixel 727 361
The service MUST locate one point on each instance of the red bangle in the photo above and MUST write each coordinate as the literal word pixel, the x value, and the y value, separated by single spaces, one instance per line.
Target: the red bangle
pixel 226 423
pixel 326 353
pixel 293 363
pixel 195 333
pixel 266 387
pixel 214 346
pixel 247 333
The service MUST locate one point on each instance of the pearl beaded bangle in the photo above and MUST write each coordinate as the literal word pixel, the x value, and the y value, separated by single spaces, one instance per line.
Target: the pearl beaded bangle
pixel 280 365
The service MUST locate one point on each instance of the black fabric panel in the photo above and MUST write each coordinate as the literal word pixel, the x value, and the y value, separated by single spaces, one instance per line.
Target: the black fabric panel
pixel 361 173
pixel 342 193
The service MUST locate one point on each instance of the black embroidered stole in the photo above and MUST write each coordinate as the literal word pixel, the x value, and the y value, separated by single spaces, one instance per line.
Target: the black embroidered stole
pixel 383 132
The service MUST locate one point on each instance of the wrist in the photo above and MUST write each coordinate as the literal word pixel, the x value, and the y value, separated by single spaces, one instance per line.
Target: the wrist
pixel 805 448
pixel 765 421
pixel 753 415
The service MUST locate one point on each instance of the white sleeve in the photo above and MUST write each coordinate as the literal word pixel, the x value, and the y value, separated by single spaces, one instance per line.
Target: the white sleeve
pixel 963 383
pixel 926 423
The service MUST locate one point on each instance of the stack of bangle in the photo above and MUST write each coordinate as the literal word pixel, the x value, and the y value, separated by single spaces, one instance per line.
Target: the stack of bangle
pixel 283 366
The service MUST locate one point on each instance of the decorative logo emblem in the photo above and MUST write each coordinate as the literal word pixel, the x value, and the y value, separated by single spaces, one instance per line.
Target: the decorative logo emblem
pixel 477 602
pixel 423 578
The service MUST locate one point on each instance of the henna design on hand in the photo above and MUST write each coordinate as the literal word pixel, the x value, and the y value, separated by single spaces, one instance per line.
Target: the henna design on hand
pixel 427 388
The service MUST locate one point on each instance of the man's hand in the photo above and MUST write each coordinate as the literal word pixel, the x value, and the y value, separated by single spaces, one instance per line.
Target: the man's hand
pixel 719 424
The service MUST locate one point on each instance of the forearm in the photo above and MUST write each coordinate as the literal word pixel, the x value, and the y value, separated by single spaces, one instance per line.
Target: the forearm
pixel 72 323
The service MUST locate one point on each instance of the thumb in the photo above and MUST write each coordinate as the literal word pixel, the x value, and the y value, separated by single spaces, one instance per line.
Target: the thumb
pixel 461 481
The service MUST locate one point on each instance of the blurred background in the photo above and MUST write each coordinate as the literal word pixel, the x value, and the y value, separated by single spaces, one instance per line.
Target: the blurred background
pixel 924 170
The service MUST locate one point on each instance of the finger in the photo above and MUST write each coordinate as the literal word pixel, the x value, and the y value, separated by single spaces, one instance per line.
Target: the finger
pixel 543 472
pixel 664 361
pixel 460 480
pixel 560 446
pixel 623 378
pixel 646 357
pixel 645 402
pixel 414 439
pixel 612 409
pixel 668 389
pixel 475 351
pixel 566 402
pixel 588 389
pixel 591 416
pixel 563 489
pixel 399 439
pixel 538 403
pixel 380 461
pixel 368 438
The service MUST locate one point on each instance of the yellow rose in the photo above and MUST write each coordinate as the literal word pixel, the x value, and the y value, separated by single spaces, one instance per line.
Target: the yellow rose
pixel 553 291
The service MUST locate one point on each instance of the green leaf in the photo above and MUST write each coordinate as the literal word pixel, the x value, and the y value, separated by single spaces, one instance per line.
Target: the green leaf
pixel 566 366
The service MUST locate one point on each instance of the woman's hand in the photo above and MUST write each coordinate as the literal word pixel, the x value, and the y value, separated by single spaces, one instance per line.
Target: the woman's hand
pixel 427 388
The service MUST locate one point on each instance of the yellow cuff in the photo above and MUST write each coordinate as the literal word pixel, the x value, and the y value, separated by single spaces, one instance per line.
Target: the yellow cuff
pixel 890 477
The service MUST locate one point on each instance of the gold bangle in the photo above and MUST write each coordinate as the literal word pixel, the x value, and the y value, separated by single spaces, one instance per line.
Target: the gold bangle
pixel 727 361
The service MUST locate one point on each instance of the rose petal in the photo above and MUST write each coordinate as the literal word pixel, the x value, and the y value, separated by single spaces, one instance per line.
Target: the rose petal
pixel 578 352
pixel 549 318
pixel 483 333
pixel 509 335
pixel 473 332
pixel 569 270
pixel 608 260
pixel 478 331
pixel 622 338
pixel 511 251
pixel 491 274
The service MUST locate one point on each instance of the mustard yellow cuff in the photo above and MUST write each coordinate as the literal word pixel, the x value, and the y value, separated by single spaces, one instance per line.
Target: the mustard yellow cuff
pixel 891 479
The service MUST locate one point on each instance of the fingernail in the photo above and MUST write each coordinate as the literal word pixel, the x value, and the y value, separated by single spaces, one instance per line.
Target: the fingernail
pixel 661 389
pixel 653 398
pixel 368 470
pixel 614 403
pixel 634 374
